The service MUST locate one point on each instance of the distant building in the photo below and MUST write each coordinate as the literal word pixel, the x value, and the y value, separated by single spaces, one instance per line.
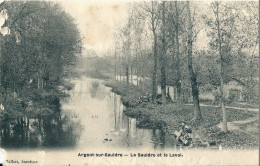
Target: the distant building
pixel 233 90
pixel 171 92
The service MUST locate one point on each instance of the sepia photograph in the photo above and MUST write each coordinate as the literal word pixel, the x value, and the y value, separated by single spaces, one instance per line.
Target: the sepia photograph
pixel 129 82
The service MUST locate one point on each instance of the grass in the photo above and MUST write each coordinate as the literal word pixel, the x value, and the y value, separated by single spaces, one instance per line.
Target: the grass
pixel 129 94
pixel 169 117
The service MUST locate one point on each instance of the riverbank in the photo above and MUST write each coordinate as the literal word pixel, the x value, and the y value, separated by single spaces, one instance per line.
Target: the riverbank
pixel 169 117
pixel 33 102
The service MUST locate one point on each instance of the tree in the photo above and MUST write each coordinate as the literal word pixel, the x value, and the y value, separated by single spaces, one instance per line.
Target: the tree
pixel 222 30
pixel 177 54
pixel 193 77
pixel 163 53
pixel 43 45
pixel 246 42
pixel 153 20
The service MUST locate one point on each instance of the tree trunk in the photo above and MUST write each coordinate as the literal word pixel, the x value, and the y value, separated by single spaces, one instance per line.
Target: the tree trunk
pixel 120 69
pixel 42 83
pixel 137 77
pixel 154 79
pixel 129 50
pixel 38 82
pixel 163 56
pixel 115 71
pixel 178 80
pixel 224 123
pixel 222 97
pixel 250 81
pixel 127 74
pixel 131 75
pixel 136 65
pixel 193 78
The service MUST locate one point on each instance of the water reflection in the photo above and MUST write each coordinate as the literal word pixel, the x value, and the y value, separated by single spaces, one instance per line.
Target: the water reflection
pixel 100 112
pixel 92 117
pixel 94 89
pixel 130 135
pixel 51 131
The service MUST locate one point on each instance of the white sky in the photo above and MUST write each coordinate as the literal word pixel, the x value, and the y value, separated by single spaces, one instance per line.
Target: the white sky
pixel 98 19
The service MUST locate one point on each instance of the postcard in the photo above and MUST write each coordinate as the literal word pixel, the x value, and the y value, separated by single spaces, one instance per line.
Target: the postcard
pixel 89 82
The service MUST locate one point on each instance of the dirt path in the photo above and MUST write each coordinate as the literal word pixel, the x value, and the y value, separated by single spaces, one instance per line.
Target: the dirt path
pixel 236 125
pixel 236 108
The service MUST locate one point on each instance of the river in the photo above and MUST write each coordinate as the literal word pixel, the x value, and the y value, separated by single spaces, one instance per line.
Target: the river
pixel 104 125
pixel 92 117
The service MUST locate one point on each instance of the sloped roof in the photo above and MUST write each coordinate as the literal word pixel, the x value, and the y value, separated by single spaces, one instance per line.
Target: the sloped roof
pixel 235 79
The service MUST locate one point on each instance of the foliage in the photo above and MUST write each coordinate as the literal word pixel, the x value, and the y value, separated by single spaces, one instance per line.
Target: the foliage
pixel 44 42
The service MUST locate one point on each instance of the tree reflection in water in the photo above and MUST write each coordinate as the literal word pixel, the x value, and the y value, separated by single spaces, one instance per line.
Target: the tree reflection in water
pixel 90 116
pixel 51 131
pixel 130 135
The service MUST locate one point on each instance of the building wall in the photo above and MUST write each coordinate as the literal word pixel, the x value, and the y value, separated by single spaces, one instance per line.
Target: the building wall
pixel 170 90
pixel 235 87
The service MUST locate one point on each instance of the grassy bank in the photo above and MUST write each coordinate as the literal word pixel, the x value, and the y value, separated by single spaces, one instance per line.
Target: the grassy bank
pixel 34 102
pixel 169 117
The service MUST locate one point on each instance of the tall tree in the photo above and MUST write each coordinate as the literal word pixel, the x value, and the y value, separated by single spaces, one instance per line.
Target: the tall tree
pixel 153 20
pixel 177 54
pixel 193 77
pixel 163 52
pixel 222 31
pixel 45 42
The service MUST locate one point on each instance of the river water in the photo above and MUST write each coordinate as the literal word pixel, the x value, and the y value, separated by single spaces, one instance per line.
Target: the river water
pixel 92 117
pixel 104 125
